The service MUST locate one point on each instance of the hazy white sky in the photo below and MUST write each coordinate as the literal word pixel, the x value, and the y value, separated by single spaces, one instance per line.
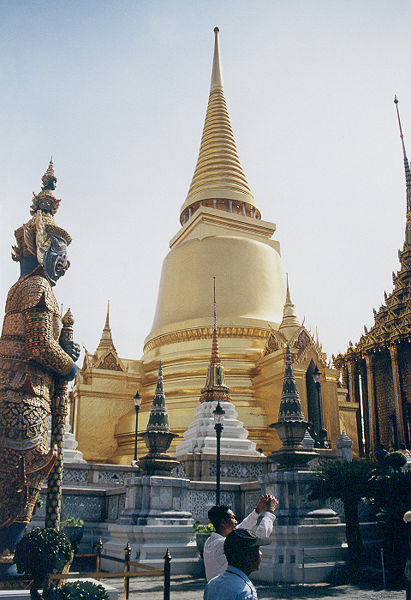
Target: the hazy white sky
pixel 116 91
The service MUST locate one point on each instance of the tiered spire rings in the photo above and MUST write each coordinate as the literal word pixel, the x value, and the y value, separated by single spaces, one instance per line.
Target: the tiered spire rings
pixel 219 180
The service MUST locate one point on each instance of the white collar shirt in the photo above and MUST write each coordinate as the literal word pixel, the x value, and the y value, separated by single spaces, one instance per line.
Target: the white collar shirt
pixel 215 561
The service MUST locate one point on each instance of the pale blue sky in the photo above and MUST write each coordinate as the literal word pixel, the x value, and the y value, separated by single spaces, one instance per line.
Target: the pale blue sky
pixel 116 91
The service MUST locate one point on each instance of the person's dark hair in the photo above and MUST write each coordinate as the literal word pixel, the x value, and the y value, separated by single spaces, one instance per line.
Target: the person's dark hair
pixel 403 446
pixel 240 558
pixel 218 515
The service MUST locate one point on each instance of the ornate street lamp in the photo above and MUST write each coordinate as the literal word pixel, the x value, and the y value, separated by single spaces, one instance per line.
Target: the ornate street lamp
pixel 317 381
pixel 137 404
pixel 218 413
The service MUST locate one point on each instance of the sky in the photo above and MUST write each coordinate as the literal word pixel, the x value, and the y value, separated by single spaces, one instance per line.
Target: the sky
pixel 116 92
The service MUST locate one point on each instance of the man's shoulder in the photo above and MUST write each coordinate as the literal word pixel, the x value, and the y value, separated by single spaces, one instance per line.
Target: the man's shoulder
pixel 234 585
pixel 215 538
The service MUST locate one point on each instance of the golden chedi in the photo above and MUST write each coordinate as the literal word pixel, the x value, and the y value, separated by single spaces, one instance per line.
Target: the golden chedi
pixel 222 235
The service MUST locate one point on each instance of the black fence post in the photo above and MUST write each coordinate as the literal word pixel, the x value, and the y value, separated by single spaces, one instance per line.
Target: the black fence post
pixel 127 556
pixel 167 571
pixel 99 550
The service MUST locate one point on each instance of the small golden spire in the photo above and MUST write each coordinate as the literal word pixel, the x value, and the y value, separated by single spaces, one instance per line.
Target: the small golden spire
pixel 106 341
pixel 215 387
pixel 290 323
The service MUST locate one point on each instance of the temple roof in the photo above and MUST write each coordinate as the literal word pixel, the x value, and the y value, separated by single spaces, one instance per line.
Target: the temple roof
pixel 392 321
pixel 218 173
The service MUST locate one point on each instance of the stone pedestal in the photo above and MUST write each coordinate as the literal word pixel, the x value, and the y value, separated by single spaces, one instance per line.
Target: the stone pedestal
pixel 156 517
pixel 344 446
pixel 307 537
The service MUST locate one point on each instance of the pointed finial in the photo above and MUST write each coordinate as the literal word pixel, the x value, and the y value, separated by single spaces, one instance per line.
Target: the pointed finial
pixel 289 324
pixel 404 153
pixel 160 386
pixel 216 73
pixel 215 359
pixel 288 297
pixel 215 308
pixel 49 176
pixel 407 176
pixel 106 341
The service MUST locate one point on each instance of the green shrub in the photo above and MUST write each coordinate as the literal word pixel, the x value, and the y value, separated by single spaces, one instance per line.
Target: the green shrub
pixel 82 590
pixel 72 522
pixel 42 551
pixel 396 460
pixel 200 528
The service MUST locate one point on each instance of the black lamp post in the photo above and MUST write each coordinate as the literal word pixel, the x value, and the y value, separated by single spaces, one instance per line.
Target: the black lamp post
pixel 218 413
pixel 137 404
pixel 317 380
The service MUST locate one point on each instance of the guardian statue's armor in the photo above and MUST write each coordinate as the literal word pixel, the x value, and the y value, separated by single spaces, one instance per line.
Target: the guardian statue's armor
pixel 32 360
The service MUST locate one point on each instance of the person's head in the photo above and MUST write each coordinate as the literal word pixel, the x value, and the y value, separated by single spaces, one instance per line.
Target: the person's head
pixel 402 446
pixel 242 549
pixel 223 519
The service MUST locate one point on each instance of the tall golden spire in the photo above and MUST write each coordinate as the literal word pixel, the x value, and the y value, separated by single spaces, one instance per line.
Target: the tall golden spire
pixel 407 178
pixel 289 324
pixel 219 180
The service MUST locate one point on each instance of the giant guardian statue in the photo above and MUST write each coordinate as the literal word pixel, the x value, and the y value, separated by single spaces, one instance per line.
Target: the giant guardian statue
pixel 34 361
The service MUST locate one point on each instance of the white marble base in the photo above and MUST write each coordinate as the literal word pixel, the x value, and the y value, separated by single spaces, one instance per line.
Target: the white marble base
pixel 200 436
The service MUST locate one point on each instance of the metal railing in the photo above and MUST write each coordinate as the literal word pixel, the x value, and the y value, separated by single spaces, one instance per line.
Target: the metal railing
pixel 125 574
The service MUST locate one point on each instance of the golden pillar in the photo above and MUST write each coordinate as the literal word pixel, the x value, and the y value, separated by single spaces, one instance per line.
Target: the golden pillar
pixel 371 401
pixel 397 392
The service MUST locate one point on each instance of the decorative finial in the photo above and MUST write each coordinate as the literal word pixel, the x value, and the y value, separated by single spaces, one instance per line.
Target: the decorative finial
pixel 45 201
pixel 49 177
pixel 400 126
pixel 407 178
pixel 288 297
pixel 289 324
pixel 68 319
pixel 216 74
pixel 215 309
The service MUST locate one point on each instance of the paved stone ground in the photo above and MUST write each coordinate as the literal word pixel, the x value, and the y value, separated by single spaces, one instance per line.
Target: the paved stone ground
pixel 184 587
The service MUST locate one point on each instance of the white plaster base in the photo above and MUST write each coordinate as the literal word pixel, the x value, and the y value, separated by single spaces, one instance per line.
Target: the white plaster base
pixel 302 553
pixel 307 537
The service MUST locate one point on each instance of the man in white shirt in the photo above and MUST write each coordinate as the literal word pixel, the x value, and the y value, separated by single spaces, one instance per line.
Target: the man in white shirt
pixel 242 549
pixel 224 521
